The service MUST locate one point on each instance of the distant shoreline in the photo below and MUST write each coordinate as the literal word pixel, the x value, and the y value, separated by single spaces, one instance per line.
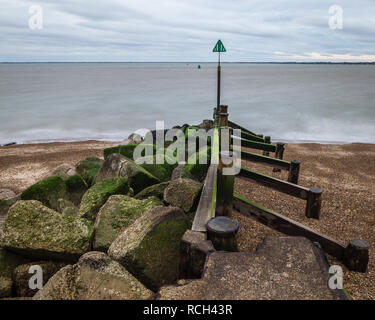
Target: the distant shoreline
pixel 206 62
pixel 99 140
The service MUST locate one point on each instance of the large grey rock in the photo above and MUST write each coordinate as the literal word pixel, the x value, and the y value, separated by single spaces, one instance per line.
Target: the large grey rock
pixel 94 277
pixel 76 187
pixel 183 193
pixel 98 194
pixel 149 248
pixel 35 231
pixel 6 194
pixel 116 215
pixel 64 171
pixel 8 261
pixel 4 207
pixel 157 190
pixel 282 268
pixel 21 276
pixel 116 165
pixel 47 191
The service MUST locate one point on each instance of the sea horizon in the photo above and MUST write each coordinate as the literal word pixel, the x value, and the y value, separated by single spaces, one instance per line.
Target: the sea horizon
pixel 80 101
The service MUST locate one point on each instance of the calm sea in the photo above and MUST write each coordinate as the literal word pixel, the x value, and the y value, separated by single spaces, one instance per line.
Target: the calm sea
pixel 108 101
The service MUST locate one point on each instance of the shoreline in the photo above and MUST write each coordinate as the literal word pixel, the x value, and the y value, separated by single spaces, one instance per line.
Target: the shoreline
pixel 81 140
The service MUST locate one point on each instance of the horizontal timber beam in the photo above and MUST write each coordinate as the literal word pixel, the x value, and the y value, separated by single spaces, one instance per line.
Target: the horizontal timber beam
pixel 257 145
pixel 251 137
pixel 272 162
pixel 287 226
pixel 274 183
pixel 237 126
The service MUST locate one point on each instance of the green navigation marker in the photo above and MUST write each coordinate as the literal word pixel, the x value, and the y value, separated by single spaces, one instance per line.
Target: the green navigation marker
pixel 219 47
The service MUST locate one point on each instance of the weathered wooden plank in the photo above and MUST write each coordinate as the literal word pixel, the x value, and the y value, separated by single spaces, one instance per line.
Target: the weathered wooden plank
pixel 287 226
pixel 251 137
pixel 207 203
pixel 257 145
pixel 237 126
pixel 268 161
pixel 274 183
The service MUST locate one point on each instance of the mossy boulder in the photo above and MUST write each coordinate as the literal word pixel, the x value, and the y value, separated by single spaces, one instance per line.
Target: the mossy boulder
pixel 197 165
pixel 21 276
pixel 137 177
pixel 35 231
pixel 150 247
pixel 47 191
pixel 64 171
pixel 4 207
pixel 88 168
pixel 117 165
pixel 98 194
pixel 8 262
pixel 183 193
pixel 94 277
pixel 90 176
pixel 116 215
pixel 177 172
pixel 111 167
pixel 157 190
pixel 110 150
pixel 76 187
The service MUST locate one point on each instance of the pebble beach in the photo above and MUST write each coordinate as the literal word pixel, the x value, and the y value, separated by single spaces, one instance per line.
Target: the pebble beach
pixel 345 173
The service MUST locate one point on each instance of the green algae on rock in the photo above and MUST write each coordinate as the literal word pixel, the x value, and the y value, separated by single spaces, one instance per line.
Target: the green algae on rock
pixel 98 194
pixel 94 277
pixel 117 165
pixel 47 191
pixel 88 168
pixel 157 190
pixel 35 231
pixel 116 215
pixel 197 165
pixel 76 187
pixel 150 247
pixel 183 193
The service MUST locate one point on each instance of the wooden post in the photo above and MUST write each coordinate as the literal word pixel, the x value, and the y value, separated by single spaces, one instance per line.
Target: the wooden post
pixel 294 171
pixel 267 139
pixel 223 116
pixel 356 255
pixel 215 116
pixel 222 233
pixel 279 153
pixel 225 185
pixel 314 202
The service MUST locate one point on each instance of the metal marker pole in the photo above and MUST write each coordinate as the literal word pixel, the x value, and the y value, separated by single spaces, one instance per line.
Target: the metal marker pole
pixel 218 83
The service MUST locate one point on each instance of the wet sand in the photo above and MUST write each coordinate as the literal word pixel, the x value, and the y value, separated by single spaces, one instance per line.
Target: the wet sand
pixel 345 173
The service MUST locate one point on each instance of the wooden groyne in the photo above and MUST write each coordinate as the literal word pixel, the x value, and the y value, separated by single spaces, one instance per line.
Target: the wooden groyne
pixel 218 199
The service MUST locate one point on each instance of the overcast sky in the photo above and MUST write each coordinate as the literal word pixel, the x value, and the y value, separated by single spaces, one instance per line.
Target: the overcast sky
pixel 187 30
